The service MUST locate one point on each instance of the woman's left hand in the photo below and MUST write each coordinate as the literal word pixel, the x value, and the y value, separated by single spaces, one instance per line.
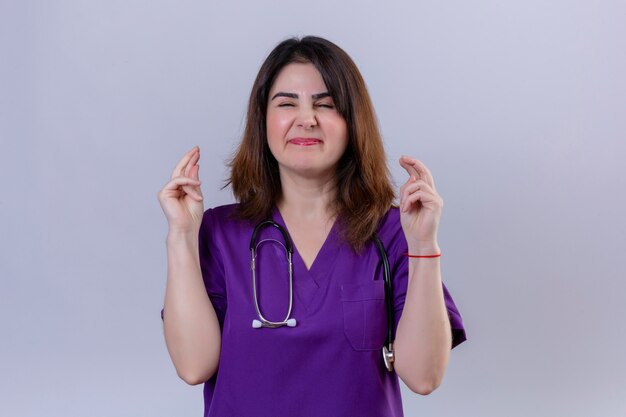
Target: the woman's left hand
pixel 420 206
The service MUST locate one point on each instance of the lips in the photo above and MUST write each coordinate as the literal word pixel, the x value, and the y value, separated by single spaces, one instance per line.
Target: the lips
pixel 305 141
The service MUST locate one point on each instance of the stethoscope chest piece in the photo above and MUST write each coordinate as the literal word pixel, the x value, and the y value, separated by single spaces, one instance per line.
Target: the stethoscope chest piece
pixel 388 357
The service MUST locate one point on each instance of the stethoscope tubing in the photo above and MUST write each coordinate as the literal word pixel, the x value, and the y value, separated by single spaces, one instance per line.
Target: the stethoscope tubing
pixel 388 354
pixel 388 289
pixel 264 322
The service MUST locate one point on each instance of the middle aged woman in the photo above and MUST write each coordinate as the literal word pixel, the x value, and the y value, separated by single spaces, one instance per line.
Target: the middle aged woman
pixel 312 161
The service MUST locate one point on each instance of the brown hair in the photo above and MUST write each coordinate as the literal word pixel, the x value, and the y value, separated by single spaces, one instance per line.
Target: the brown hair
pixel 364 191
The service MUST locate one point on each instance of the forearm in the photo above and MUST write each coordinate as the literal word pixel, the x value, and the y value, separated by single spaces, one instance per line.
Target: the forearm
pixel 423 337
pixel 191 327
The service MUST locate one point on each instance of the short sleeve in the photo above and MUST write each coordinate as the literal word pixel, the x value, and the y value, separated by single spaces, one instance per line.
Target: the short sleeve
pixel 400 276
pixel 211 264
pixel 456 321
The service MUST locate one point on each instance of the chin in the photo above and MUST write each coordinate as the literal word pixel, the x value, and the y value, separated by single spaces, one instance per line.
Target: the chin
pixel 310 170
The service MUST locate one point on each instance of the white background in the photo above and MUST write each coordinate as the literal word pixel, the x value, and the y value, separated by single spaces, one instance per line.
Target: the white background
pixel 517 107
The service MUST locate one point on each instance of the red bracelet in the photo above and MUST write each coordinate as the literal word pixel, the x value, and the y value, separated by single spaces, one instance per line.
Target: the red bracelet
pixel 422 256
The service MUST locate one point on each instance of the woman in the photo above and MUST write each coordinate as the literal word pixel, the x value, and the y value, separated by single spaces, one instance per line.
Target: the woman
pixel 311 160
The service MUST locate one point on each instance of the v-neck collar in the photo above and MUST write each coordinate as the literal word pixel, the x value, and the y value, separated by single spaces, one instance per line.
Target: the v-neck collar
pixel 309 283
pixel 328 248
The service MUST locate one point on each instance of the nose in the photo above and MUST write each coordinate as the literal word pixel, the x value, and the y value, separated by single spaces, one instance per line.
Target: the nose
pixel 306 117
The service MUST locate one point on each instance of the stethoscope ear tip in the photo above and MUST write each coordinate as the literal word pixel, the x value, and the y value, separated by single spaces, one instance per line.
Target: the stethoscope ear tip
pixel 257 324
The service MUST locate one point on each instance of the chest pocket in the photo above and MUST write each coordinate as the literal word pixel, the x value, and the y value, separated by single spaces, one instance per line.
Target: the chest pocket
pixel 364 314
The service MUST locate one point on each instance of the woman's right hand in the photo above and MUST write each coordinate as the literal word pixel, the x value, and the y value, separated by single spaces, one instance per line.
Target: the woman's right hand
pixel 181 198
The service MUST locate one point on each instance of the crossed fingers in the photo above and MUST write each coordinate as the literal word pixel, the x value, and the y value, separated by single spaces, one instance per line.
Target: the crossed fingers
pixel 417 169
pixel 185 175
pixel 187 163
pixel 420 187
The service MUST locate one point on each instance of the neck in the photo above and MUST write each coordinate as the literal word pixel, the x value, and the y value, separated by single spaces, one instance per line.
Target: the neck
pixel 306 199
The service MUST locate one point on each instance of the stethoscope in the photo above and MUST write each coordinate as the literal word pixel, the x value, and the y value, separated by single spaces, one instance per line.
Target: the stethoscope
pixel 388 354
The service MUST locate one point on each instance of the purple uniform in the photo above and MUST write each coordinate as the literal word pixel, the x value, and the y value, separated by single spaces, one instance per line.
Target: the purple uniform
pixel 331 363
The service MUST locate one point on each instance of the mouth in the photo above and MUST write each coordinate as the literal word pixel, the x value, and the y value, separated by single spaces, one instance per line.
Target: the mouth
pixel 305 141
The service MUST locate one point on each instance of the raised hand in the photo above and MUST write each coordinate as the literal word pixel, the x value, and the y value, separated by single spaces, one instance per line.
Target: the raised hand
pixel 181 198
pixel 420 205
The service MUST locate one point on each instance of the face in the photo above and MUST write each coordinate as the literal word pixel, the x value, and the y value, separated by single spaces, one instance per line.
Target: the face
pixel 305 132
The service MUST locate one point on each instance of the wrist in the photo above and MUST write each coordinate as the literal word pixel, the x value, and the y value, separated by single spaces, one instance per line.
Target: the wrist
pixel 423 248
pixel 178 237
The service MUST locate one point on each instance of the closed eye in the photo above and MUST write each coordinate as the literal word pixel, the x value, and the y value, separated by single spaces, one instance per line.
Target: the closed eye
pixel 285 105
pixel 326 106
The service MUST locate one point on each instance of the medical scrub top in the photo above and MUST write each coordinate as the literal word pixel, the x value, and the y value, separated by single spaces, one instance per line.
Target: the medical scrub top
pixel 330 363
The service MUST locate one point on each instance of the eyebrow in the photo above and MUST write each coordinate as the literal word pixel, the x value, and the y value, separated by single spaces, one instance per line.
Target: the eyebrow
pixel 293 95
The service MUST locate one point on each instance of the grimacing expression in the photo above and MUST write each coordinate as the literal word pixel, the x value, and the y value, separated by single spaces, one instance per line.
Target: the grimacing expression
pixel 305 132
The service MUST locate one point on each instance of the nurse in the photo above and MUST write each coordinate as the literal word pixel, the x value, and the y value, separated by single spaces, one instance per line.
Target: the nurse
pixel 312 160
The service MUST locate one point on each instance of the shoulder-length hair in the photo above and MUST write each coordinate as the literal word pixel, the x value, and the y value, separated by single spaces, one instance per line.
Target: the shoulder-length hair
pixel 364 191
